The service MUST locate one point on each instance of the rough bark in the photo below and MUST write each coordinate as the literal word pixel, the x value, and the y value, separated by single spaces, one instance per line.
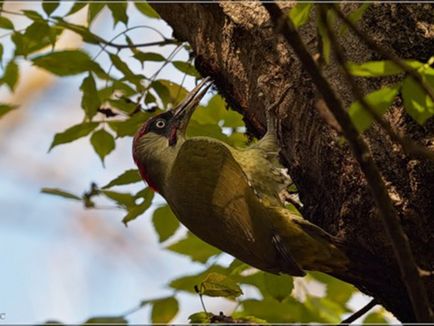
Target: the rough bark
pixel 235 44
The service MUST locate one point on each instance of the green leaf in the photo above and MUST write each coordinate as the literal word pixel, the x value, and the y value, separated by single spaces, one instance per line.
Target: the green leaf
pixel 219 285
pixel 187 283
pixel 106 320
pixel 94 10
pixel 90 101
pixel 130 126
pixel 11 75
pixel 125 70
pixel 5 23
pixel 418 104
pixel 375 318
pixel 1 54
pixel 379 68
pixel 103 143
pixel 148 56
pixel 299 14
pixel 73 133
pixel 146 9
pixel 119 12
pixel 147 194
pixel 164 310
pixel 195 248
pixel 33 15
pixel 129 176
pixel 50 5
pixel 379 100
pixel 65 63
pixel 123 199
pixel 6 108
pixel 325 40
pixel 337 290
pixel 200 318
pixel 354 17
pixel 169 92
pixel 278 286
pixel 77 6
pixel 186 68
pixel 289 311
pixel 83 31
pixel 165 223
pixel 60 193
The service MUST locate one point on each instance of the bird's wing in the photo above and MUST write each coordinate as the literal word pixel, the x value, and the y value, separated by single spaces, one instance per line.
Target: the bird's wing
pixel 265 174
pixel 218 204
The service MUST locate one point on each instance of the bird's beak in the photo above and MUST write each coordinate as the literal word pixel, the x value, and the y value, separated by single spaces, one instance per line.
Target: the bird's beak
pixel 184 111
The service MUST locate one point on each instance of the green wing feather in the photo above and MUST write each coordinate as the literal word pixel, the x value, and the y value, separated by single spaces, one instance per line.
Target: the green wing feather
pixel 211 194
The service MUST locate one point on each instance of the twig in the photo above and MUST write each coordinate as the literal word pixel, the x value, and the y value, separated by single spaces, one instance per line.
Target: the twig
pixel 407 144
pixel 401 247
pixel 387 54
pixel 138 45
pixel 359 313
pixel 196 289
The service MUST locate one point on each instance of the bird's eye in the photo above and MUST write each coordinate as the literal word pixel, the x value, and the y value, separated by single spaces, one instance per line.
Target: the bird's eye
pixel 160 123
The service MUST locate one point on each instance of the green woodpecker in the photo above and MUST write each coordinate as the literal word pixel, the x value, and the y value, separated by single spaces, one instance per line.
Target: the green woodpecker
pixel 228 197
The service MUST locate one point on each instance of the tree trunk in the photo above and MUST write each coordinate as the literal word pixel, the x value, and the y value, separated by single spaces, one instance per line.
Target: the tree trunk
pixel 235 44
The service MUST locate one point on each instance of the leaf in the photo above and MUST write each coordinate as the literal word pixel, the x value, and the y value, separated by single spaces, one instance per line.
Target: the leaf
pixel 200 318
pixel 169 92
pixel 129 176
pixel 94 10
pixel 103 143
pixel 125 70
pixel 299 14
pixel 73 133
pixel 164 310
pixel 188 282
pixel 195 248
pixel 337 290
pixel 418 104
pixel 50 5
pixel 325 40
pixel 119 12
pixel 146 9
pixel 1 55
pixel 147 194
pixel 123 199
pixel 83 31
pixel 165 223
pixel 375 317
pixel 219 285
pixel 130 126
pixel 186 68
pixel 355 16
pixel 379 100
pixel 33 15
pixel 379 68
pixel 278 286
pixel 290 311
pixel 11 75
pixel 65 63
pixel 5 23
pixel 60 193
pixel 77 6
pixel 106 320
pixel 148 56
pixel 6 108
pixel 90 101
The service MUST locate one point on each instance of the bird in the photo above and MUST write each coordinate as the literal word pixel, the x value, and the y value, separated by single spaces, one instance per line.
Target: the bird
pixel 231 197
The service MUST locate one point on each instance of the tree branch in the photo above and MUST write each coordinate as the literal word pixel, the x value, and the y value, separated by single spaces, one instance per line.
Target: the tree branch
pixel 359 313
pixel 401 247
